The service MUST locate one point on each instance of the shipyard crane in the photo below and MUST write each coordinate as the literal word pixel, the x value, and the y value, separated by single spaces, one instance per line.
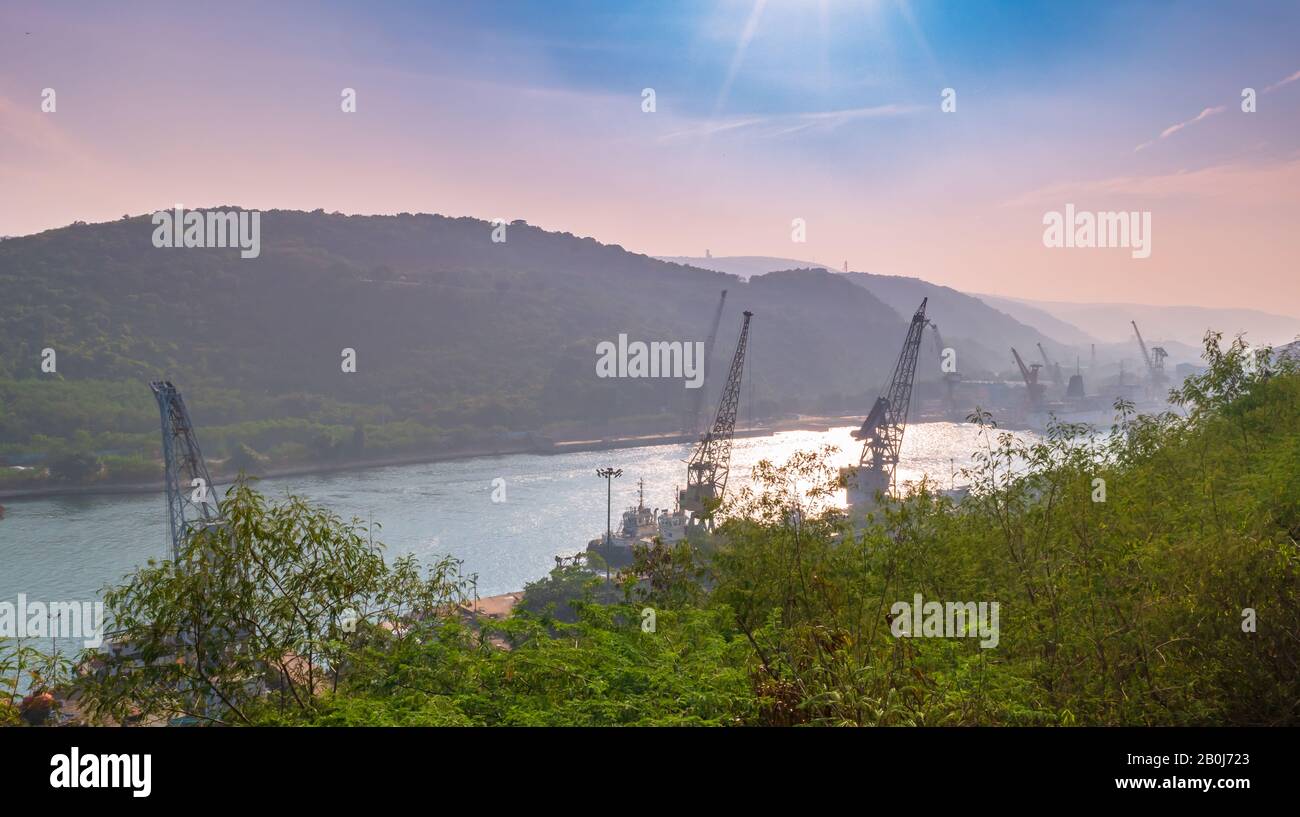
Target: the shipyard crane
pixel 697 409
pixel 710 463
pixel 1155 360
pixel 1053 369
pixel 1033 389
pixel 882 432
pixel 950 379
pixel 190 499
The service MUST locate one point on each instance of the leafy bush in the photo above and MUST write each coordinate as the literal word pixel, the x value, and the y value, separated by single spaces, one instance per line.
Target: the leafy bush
pixel 1176 600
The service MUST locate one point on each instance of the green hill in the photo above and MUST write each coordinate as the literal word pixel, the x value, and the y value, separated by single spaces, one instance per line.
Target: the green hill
pixel 458 339
pixel 980 333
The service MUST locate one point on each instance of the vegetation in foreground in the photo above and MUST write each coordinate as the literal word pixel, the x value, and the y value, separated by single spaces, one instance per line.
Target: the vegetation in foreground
pixel 1176 600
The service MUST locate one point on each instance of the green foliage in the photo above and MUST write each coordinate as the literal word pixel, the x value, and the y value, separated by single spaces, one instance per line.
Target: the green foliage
pixel 1123 611
pixel 254 616
pixel 26 672
pixel 133 469
pixel 77 468
pixel 560 594
pixel 1127 611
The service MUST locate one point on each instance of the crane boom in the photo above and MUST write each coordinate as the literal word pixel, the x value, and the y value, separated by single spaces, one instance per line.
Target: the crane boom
pixel 882 431
pixel 710 463
pixel 1053 371
pixel 1029 373
pixel 1033 389
pixel 1155 360
pixel 697 409
pixel 1145 355
pixel 189 486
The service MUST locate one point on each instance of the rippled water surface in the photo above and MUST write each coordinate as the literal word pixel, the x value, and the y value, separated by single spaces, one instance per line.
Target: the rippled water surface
pixel 68 548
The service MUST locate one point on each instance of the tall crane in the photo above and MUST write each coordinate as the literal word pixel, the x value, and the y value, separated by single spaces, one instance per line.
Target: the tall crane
pixel 710 463
pixel 882 431
pixel 1033 389
pixel 950 379
pixel 1155 360
pixel 1053 369
pixel 697 408
pixel 190 494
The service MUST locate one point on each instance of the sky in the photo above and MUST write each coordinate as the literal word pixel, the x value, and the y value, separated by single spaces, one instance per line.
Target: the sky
pixel 825 111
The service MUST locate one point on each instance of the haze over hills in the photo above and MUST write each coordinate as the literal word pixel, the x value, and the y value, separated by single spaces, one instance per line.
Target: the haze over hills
pixel 1109 322
pixel 1040 319
pixel 745 266
pixel 986 324
pixel 451 332
pixel 981 334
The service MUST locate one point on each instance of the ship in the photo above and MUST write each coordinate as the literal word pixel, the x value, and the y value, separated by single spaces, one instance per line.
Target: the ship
pixel 640 526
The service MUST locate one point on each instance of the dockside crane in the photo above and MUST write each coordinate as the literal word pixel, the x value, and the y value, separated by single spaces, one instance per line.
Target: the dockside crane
pixel 950 379
pixel 1033 389
pixel 882 432
pixel 710 463
pixel 1155 360
pixel 697 408
pixel 1053 369
pixel 191 500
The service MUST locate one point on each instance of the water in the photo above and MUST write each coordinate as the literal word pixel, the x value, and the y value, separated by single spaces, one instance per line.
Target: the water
pixel 68 548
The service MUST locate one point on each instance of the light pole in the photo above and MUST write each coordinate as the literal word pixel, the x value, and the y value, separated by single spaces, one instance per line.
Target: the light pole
pixel 608 474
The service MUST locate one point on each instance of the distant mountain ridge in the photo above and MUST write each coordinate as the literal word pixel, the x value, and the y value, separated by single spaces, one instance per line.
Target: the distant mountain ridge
pixel 451 330
pixel 744 266
pixel 981 334
pixel 1109 322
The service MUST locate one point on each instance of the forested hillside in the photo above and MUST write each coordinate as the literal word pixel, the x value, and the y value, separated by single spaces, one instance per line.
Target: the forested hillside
pixel 457 337
pixel 981 334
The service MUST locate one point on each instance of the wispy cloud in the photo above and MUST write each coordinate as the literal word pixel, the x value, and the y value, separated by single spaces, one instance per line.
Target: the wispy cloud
pixel 1280 83
pixel 782 124
pixel 1271 181
pixel 1175 128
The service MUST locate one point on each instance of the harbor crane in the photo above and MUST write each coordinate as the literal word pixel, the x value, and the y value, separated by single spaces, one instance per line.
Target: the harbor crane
pixel 697 408
pixel 950 378
pixel 710 463
pixel 1053 369
pixel 1155 360
pixel 1033 389
pixel 191 501
pixel 882 432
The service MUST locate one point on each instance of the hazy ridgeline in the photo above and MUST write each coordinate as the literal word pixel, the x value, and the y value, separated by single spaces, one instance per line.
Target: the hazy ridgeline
pixel 454 334
pixel 458 339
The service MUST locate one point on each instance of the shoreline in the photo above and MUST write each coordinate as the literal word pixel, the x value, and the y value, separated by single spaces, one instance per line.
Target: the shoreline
pixel 560 447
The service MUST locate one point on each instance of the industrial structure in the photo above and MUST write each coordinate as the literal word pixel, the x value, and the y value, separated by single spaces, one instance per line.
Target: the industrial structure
pixel 882 431
pixel 1053 369
pixel 950 378
pixel 1155 360
pixel 190 499
pixel 697 408
pixel 1034 391
pixel 710 463
pixel 1075 391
